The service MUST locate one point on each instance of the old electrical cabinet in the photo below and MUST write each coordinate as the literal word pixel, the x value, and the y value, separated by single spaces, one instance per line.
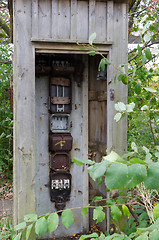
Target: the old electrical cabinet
pixel 63 104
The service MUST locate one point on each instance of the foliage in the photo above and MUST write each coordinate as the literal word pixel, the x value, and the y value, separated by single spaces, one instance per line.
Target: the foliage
pixel 138 169
pixel 4 19
pixel 7 229
pixel 6 124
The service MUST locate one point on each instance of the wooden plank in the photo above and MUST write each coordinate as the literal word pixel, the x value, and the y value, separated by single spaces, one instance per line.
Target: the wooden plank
pixel 92 20
pixel 92 95
pixel 98 96
pixel 119 56
pixel 73 34
pixel 24 113
pixel 60 81
pixel 82 20
pixel 110 21
pixel 69 41
pixel 54 29
pixel 64 19
pixel 60 100
pixel 35 18
pixel 45 18
pixel 100 20
pixel 84 124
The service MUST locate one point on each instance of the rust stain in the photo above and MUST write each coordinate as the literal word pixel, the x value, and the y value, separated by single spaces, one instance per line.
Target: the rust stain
pixel 75 107
pixel 40 118
pixel 77 149
pixel 74 143
pixel 40 154
pixel 41 189
pixel 42 164
pixel 40 90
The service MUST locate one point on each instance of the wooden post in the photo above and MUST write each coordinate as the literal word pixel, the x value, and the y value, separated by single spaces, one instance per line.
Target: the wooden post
pixel 24 112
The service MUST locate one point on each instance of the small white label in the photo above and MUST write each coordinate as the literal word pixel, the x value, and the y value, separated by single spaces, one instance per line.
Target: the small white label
pixel 60 184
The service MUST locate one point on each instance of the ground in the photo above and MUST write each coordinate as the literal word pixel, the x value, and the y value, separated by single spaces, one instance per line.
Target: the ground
pixel 6 197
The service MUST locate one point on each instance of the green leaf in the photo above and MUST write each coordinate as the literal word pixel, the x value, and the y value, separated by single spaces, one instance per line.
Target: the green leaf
pixel 139 49
pixel 136 174
pixel 103 62
pixel 157 155
pixel 110 202
pixel 97 170
pixel 115 212
pixel 84 211
pixel 152 180
pixel 82 48
pixel 147 37
pixel 120 106
pixel 134 147
pixel 117 116
pixel 97 198
pixel 99 181
pixel 102 237
pixel 156 211
pixel 20 226
pixel 150 89
pixel 126 155
pixel 67 218
pixel 116 176
pixel 80 162
pixel 143 57
pixel 123 78
pixel 137 160
pixel 52 222
pixel 125 210
pixel 92 37
pixel 130 107
pixel 143 236
pixel 145 107
pixel 148 54
pixel 88 236
pixel 154 235
pixel 120 200
pixel 28 231
pixel 41 226
pixel 18 237
pixel 113 157
pixel 98 214
pixel 137 88
pixel 92 53
pixel 30 217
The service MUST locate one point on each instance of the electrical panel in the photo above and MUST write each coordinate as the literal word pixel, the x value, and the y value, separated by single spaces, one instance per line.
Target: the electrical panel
pixel 60 139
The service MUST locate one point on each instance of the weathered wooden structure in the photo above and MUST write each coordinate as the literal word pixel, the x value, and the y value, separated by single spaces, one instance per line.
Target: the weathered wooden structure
pixel 45 35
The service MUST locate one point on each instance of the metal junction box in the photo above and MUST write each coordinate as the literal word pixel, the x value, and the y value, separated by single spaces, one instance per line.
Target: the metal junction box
pixel 60 188
pixel 60 142
pixel 60 95
pixel 59 123
pixel 60 161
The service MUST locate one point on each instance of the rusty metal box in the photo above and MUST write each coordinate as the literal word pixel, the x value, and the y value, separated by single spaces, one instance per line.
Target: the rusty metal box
pixel 60 142
pixel 60 95
pixel 60 161
pixel 60 188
